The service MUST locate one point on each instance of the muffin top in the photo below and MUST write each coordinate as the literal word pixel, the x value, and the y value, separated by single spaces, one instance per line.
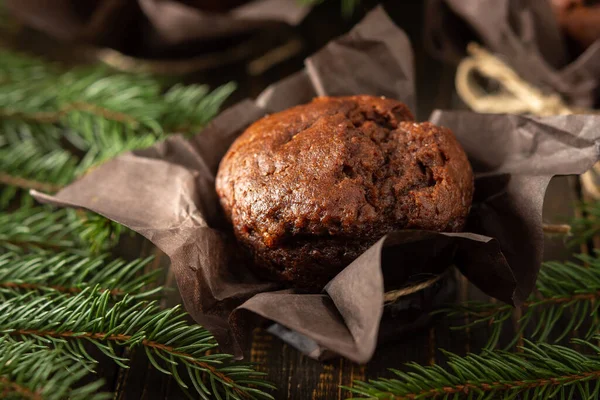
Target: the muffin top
pixel 311 187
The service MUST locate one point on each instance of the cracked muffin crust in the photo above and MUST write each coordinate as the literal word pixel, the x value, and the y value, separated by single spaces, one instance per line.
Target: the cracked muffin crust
pixel 310 188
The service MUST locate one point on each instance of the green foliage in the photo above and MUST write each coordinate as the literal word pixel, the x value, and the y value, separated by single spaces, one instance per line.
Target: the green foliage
pixel 192 106
pixel 170 342
pixel 39 169
pixel 540 371
pixel 58 292
pixel 43 228
pixel 55 126
pixel 30 371
pixel 565 291
pixel 69 273
pixel 15 67
pixel 46 137
pixel 587 226
pixel 97 232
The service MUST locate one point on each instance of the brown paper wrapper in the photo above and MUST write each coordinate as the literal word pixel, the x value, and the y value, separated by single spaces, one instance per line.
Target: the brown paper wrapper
pixel 167 194
pixel 152 28
pixel 527 37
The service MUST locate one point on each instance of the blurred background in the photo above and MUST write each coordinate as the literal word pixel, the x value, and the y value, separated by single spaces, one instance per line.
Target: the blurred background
pixel 254 45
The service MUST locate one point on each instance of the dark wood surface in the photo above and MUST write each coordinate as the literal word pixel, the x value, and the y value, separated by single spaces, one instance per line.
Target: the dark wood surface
pixel 295 375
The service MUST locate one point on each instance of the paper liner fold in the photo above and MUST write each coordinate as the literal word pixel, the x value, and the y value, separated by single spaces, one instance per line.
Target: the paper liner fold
pixel 526 35
pixel 154 27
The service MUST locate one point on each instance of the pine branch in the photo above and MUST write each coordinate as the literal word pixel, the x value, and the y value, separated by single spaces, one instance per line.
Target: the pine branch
pixel 110 145
pixel 43 228
pixel 83 97
pixel 28 166
pixel 540 371
pixel 56 125
pixel 47 137
pixel 71 273
pixel 170 343
pixel 30 371
pixel 566 290
pixel 16 67
pixel 28 184
pixel 98 233
pixel 52 94
pixel 188 108
pixel 49 117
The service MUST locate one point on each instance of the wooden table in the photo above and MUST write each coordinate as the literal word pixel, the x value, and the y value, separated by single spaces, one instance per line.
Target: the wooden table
pixel 297 376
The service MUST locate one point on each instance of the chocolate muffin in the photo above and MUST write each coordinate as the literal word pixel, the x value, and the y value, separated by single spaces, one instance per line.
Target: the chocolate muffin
pixel 310 188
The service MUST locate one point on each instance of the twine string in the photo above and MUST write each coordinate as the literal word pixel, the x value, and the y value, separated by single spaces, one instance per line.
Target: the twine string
pixel 393 295
pixel 515 96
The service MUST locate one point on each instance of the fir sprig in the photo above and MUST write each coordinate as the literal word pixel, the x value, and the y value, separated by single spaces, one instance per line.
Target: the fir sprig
pixel 16 67
pixel 56 125
pixel 71 273
pixel 47 137
pixel 540 371
pixel 30 371
pixel 565 290
pixel 82 98
pixel 27 166
pixel 190 107
pixel 42 229
pixel 171 344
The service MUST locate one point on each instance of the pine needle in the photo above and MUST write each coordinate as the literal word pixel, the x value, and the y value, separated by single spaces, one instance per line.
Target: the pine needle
pixel 569 293
pixel 190 107
pixel 43 228
pixel 71 273
pixel 171 344
pixel 540 371
pixel 28 166
pixel 30 371
pixel 55 126
pixel 16 67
